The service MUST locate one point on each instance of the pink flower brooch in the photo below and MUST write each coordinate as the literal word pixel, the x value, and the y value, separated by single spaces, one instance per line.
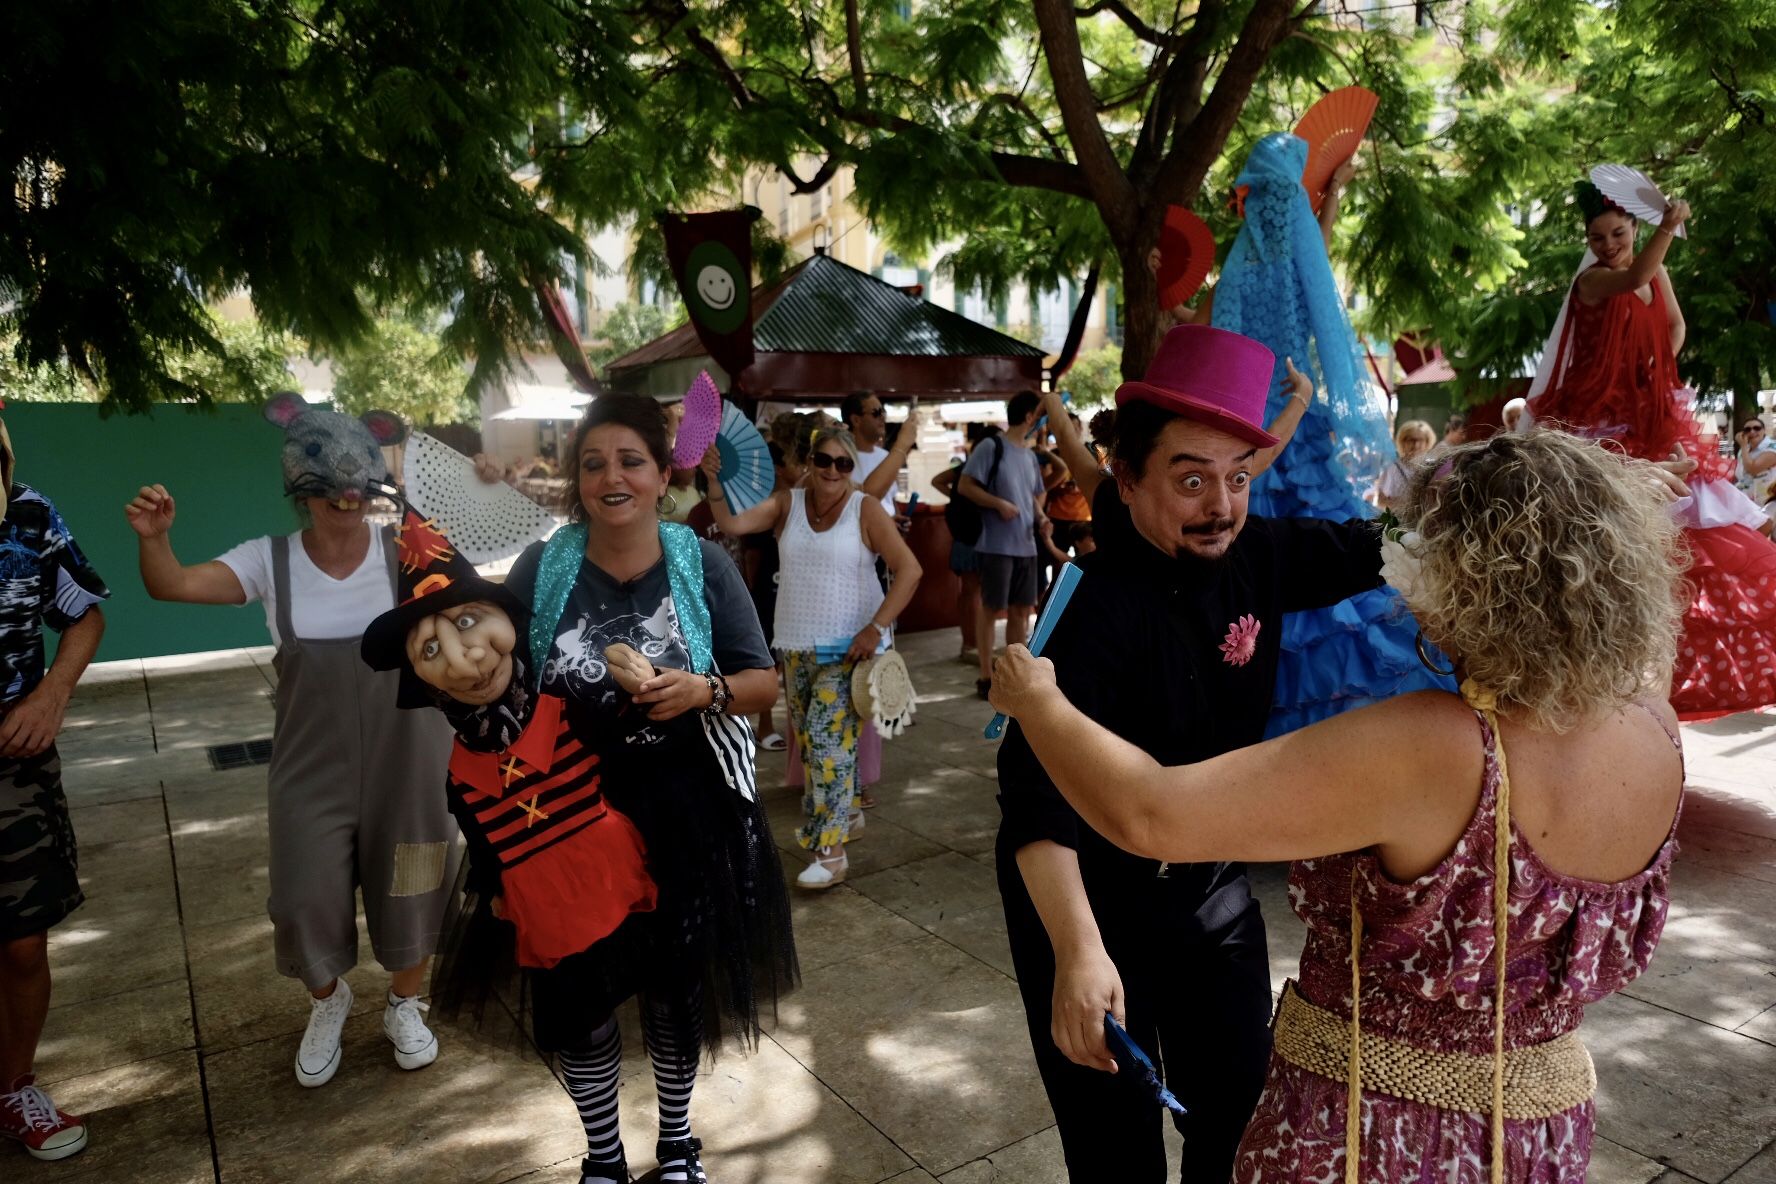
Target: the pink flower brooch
pixel 1241 642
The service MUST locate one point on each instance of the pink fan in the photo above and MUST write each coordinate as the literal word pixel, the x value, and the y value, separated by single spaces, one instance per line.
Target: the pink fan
pixel 702 419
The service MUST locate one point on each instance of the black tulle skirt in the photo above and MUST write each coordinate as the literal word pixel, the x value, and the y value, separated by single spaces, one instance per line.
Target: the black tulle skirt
pixel 720 933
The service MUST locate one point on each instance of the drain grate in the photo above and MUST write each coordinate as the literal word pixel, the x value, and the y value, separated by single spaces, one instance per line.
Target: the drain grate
pixel 240 756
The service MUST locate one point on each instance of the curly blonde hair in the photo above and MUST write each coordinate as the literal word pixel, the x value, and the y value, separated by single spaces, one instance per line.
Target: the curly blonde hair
pixel 1552 571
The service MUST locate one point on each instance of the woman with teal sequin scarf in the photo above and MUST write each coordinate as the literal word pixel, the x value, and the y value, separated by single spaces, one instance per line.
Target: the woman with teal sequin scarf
pixel 1277 287
pixel 675 756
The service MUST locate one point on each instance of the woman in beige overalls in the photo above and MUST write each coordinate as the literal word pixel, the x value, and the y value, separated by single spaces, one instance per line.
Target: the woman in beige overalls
pixel 356 785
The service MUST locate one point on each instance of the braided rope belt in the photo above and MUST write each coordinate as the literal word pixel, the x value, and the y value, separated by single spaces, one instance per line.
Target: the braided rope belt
pixel 1540 1079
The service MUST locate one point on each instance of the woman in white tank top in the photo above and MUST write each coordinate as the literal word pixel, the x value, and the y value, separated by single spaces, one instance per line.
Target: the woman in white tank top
pixel 831 614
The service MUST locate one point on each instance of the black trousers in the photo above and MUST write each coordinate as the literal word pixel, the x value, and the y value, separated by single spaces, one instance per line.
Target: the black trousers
pixel 1198 1002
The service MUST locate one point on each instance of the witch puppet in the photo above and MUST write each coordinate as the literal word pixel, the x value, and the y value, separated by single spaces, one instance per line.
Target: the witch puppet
pixel 548 855
pixel 559 883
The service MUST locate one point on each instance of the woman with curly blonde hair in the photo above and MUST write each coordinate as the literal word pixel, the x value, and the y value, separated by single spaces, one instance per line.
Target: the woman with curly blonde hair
pixel 1462 910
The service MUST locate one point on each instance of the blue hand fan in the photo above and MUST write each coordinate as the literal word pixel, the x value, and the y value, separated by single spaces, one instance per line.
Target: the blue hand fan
pixel 747 475
pixel 1130 1059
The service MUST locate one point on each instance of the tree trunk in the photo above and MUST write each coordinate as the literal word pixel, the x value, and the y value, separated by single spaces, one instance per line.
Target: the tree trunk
pixel 1144 323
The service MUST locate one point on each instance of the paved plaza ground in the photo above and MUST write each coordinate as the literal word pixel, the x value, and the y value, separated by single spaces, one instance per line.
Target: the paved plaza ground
pixel 902 1058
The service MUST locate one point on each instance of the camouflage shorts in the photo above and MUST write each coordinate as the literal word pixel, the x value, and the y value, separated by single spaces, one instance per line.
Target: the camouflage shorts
pixel 38 881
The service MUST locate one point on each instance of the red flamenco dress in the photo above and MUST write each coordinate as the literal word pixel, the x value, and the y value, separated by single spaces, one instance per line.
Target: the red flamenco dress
pixel 1615 378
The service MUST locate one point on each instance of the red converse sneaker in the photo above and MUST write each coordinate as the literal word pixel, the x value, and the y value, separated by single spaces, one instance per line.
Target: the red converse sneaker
pixel 27 1114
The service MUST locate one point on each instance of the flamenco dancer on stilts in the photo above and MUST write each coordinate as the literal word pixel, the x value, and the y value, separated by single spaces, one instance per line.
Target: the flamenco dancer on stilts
pixel 616 847
pixel 1277 288
pixel 1609 371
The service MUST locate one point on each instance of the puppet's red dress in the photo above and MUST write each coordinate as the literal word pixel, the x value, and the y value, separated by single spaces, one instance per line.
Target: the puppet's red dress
pixel 1615 378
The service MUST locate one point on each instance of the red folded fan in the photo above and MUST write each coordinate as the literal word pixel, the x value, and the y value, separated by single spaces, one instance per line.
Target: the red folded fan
pixel 1334 128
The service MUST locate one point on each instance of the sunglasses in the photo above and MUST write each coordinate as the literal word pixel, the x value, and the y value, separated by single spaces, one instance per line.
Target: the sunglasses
pixel 826 460
pixel 878 413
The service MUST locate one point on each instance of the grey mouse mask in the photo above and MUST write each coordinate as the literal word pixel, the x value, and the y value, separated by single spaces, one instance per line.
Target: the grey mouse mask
pixel 329 455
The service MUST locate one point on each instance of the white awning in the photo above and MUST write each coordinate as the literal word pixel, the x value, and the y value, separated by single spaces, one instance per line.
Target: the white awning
pixel 533 401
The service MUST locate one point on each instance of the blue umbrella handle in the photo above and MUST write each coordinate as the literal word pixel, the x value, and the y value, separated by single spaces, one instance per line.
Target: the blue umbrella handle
pixel 1064 584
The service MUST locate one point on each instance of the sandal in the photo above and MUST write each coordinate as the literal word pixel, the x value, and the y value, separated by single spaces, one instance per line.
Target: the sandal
pixel 827 871
pixel 867 801
pixel 774 743
pixel 686 1154
pixel 614 1169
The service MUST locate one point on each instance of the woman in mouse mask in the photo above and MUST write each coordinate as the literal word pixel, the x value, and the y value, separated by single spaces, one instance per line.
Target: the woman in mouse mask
pixel 354 798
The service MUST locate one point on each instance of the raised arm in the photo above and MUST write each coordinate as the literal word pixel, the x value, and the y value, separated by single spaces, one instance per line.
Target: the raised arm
pixel 1341 785
pixel 1081 464
pixel 1600 283
pixel 1287 420
pixel 887 474
pixel 764 516
pixel 1329 208
pixel 150 515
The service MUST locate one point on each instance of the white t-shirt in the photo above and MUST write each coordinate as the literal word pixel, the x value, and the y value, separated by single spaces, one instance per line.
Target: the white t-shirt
pixel 322 607
pixel 869 462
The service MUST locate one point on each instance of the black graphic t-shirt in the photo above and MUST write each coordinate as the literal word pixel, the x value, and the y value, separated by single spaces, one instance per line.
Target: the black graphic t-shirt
pixel 44 580
pixel 640 613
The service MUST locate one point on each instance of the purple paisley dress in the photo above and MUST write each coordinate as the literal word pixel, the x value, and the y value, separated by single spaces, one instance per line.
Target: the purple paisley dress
pixel 1427 980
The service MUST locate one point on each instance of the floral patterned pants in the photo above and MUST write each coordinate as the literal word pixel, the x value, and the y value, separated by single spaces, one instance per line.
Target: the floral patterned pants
pixel 827 732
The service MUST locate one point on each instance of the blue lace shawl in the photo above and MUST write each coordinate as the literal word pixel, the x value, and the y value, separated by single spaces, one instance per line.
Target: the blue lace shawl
pixel 1277 288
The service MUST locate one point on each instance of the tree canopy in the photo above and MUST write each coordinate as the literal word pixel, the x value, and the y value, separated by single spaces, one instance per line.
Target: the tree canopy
pixel 335 157
pixel 327 157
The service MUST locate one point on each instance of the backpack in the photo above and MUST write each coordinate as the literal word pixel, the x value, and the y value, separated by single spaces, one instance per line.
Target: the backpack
pixel 962 516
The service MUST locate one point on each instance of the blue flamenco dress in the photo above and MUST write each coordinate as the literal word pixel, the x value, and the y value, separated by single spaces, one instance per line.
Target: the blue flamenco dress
pixel 1277 288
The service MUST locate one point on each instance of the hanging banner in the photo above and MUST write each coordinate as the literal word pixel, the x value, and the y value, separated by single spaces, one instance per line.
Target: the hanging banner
pixel 711 257
pixel 564 337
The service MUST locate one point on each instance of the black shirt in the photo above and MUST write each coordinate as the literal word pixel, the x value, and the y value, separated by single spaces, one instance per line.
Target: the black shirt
pixel 1179 657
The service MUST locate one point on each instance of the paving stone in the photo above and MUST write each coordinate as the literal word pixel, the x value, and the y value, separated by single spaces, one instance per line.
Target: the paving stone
pixel 980 933
pixel 119 821
pixel 1033 1160
pixel 1717 958
pixel 145 1124
pixel 840 924
pixel 242 999
pixel 485 1111
pixel 139 1025
pixel 1612 1163
pixel 763 1119
pixel 927 1044
pixel 953 807
pixel 1762 1027
pixel 927 890
pixel 1760 1170
pixel 1679 1091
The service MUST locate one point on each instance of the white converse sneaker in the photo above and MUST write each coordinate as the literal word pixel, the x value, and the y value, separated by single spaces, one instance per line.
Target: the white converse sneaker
pixel 402 1023
pixel 317 1057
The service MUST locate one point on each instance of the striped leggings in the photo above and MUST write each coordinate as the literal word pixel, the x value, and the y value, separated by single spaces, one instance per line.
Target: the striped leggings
pixel 673 1034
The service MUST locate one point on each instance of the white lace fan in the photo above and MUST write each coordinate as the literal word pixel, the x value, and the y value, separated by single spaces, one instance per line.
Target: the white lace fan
pixel 485 522
pixel 1634 191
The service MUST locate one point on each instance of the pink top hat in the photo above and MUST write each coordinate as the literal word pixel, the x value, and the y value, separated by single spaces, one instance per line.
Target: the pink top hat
pixel 1211 376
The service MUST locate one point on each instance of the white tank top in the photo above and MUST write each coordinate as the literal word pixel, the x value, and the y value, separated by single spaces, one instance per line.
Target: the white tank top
pixel 826 586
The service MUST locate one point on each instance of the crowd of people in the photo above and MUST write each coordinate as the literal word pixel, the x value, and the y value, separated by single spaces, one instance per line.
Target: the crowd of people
pixel 1537 608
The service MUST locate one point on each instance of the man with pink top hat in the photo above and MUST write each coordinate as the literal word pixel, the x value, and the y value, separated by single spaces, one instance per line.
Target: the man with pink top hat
pixel 1170 640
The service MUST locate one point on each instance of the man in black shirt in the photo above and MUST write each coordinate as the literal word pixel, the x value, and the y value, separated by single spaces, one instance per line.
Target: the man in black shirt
pixel 1170 640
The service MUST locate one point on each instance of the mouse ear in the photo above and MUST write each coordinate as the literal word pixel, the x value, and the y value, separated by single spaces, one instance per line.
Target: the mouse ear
pixel 285 407
pixel 387 427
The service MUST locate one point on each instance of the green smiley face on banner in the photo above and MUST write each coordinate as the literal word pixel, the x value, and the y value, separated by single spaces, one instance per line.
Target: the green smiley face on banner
pixel 716 288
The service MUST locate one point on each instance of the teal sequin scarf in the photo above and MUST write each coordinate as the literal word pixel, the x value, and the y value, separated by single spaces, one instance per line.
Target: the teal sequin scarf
pixel 560 567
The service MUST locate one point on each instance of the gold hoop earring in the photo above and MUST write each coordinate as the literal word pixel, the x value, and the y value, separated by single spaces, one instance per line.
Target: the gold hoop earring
pixel 1419 644
pixel 666 506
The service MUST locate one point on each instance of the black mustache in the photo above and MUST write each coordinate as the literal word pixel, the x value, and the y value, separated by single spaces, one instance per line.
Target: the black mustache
pixel 1215 527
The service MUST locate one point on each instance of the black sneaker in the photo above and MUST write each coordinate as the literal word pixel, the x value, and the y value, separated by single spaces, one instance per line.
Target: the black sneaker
pixel 982 686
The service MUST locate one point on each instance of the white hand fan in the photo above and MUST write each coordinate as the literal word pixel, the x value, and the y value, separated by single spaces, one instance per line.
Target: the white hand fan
pixel 485 522
pixel 1634 191
pixel 747 474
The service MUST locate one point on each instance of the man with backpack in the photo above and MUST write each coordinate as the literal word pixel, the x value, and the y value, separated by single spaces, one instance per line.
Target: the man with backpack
pixel 1004 480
